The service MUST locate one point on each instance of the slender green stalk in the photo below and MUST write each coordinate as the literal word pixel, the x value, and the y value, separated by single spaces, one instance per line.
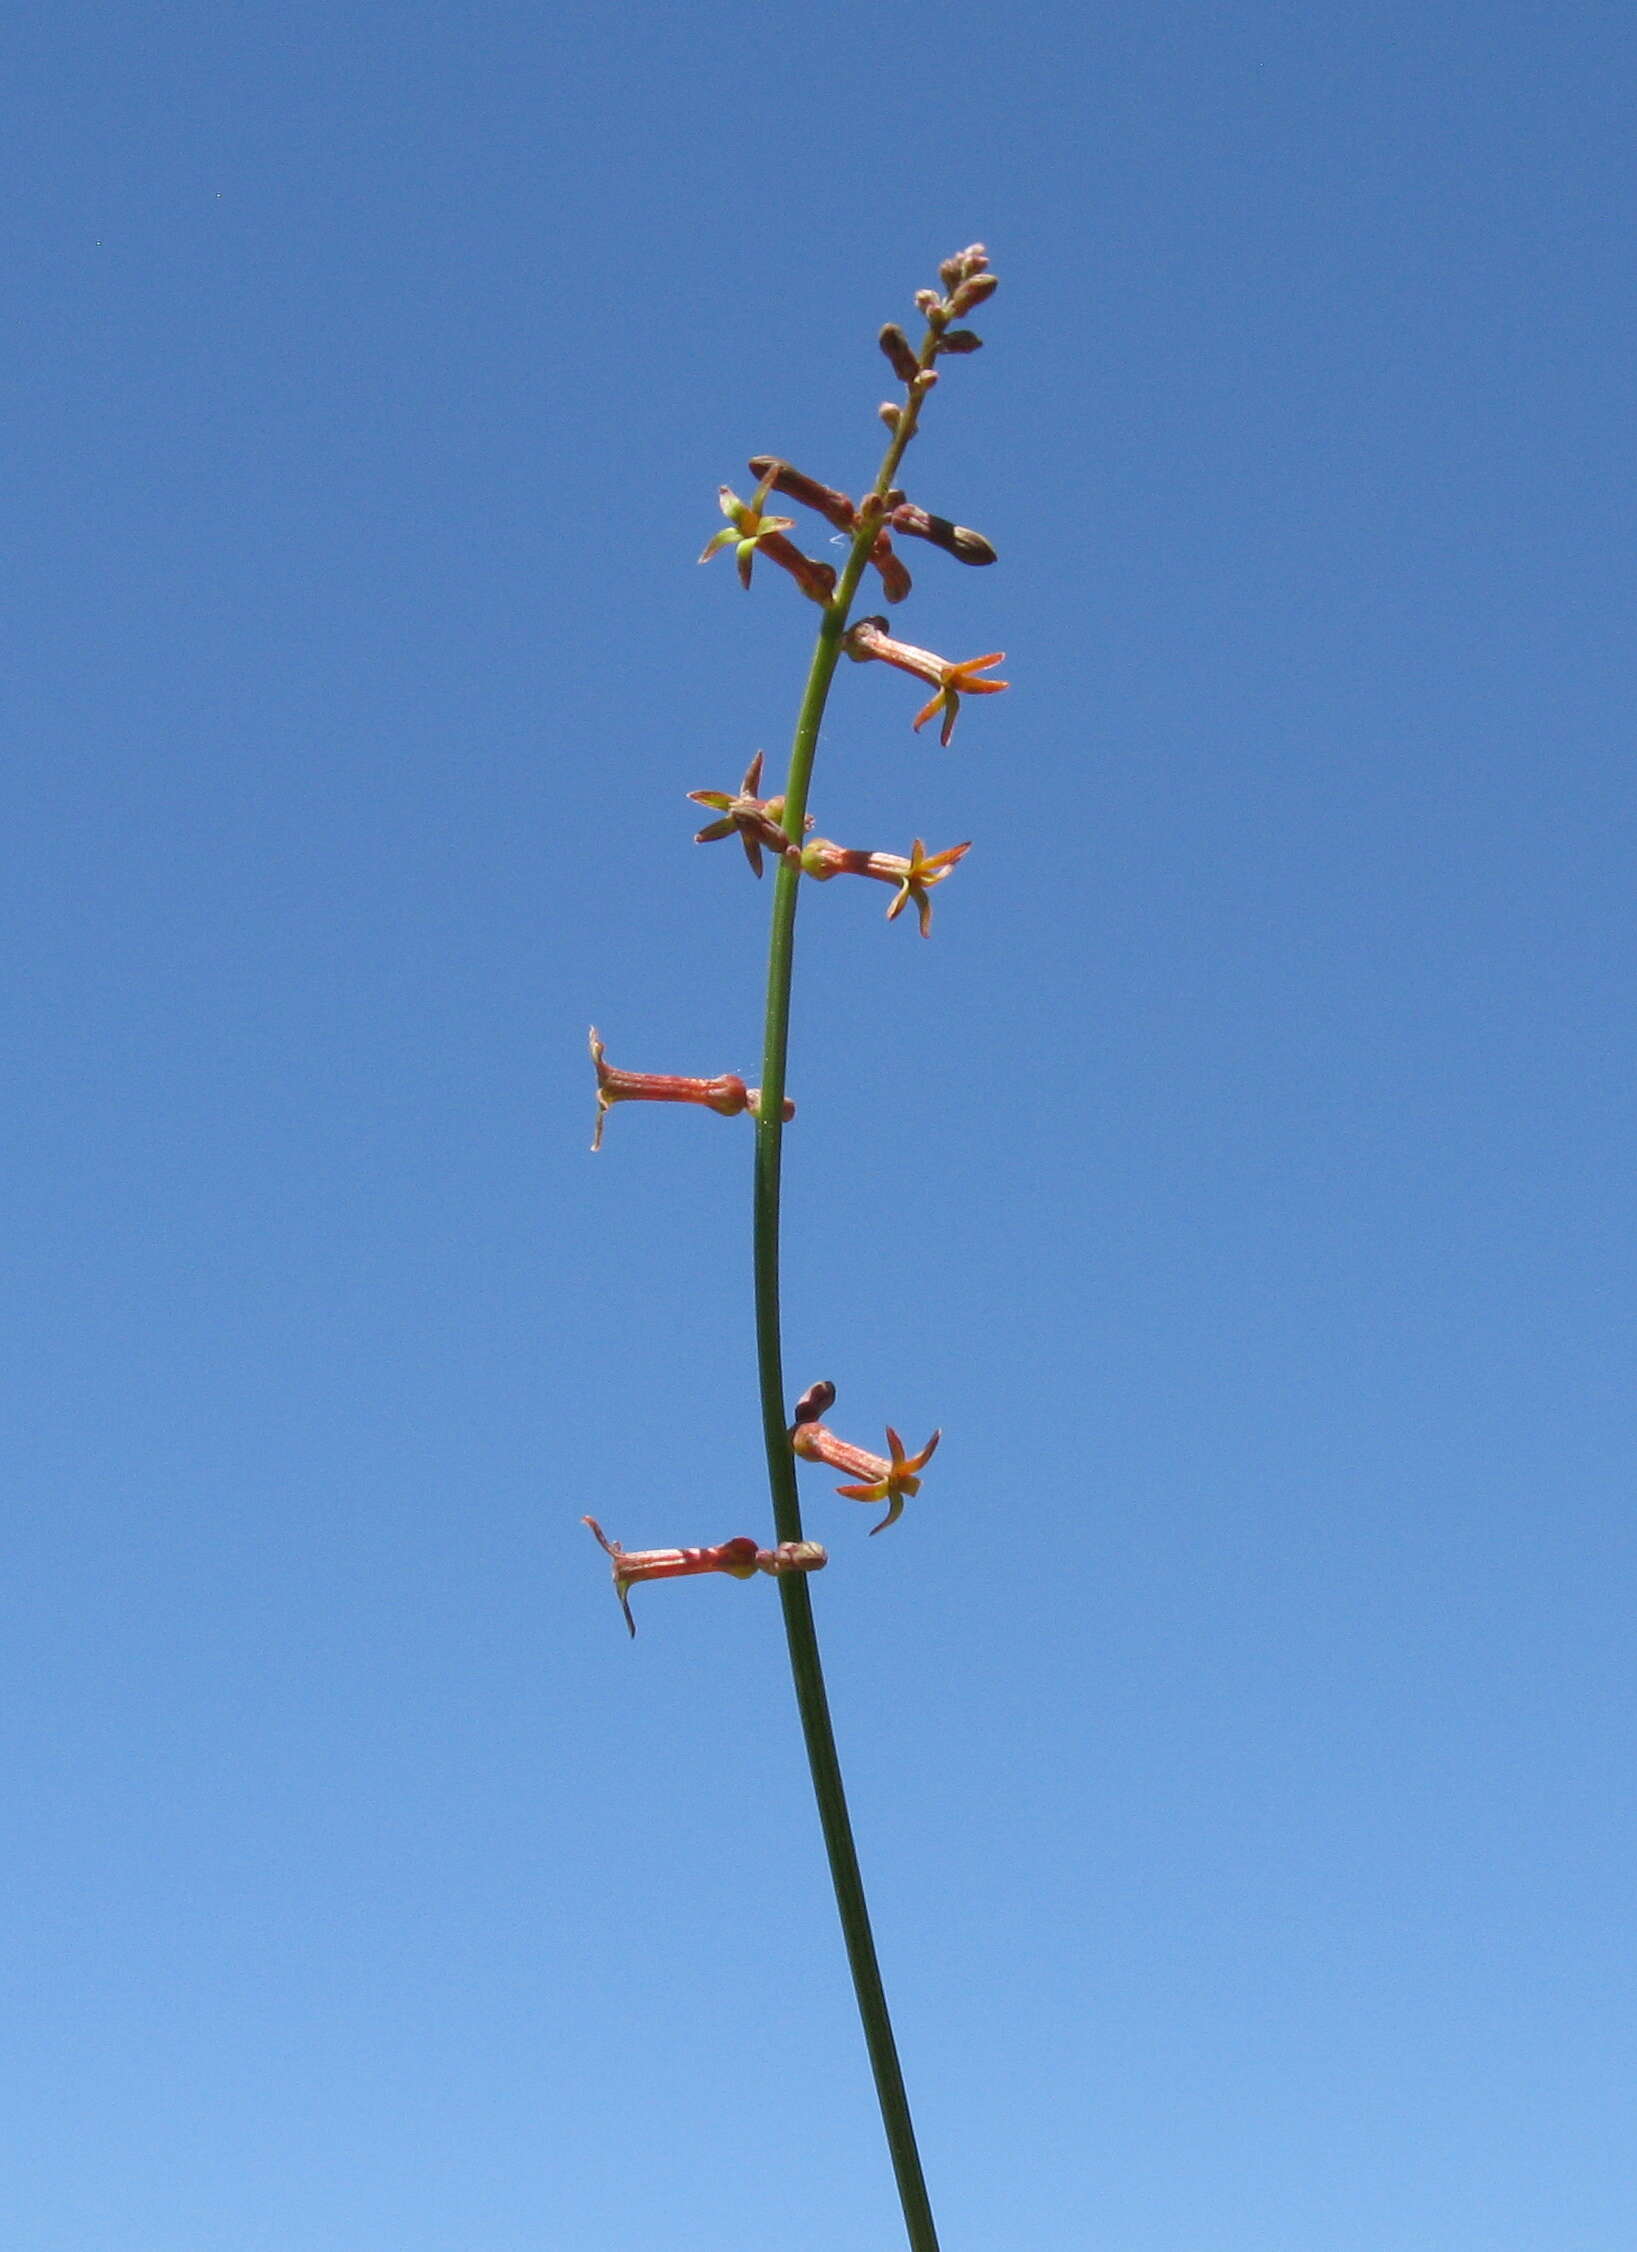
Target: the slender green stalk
pixel 801 1636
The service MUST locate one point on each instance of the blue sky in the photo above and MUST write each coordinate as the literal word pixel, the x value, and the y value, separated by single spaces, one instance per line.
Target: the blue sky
pixel 1239 1726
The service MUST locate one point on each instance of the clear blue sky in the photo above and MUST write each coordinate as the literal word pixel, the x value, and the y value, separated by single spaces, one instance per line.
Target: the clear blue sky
pixel 1240 1724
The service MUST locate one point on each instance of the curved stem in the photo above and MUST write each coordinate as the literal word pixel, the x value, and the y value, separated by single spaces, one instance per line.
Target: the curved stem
pixel 800 1634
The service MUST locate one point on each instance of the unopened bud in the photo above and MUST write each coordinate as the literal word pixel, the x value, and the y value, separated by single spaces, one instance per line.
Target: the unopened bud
pixel 958 540
pixel 891 413
pixel 792 1556
pixel 928 302
pixel 896 345
pixel 824 498
pixel 960 340
pixel 972 292
pixel 817 1400
pixel 968 546
pixel 895 578
pixel 965 263
pixel 926 380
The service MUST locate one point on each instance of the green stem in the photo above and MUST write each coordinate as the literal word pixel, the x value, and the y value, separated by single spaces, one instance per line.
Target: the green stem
pixel 800 1634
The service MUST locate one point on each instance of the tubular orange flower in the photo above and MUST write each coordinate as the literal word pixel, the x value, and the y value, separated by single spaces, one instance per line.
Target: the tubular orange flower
pixel 741 1559
pixel 914 877
pixel 727 1095
pixel 891 1478
pixel 869 638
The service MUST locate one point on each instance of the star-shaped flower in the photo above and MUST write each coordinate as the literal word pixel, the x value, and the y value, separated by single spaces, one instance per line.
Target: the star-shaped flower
pixel 914 876
pixel 892 1478
pixel 869 638
pixel 757 821
pixel 917 878
pixel 958 681
pixel 746 527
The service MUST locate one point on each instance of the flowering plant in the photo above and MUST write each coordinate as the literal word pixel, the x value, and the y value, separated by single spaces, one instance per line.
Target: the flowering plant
pixel 778 826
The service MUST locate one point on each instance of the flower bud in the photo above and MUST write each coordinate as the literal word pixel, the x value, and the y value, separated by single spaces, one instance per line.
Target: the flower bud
pixel 960 340
pixel 896 345
pixel 797 486
pixel 895 578
pixel 816 1401
pixel 972 292
pixel 792 1556
pixel 958 540
pixel 965 263
pixel 891 413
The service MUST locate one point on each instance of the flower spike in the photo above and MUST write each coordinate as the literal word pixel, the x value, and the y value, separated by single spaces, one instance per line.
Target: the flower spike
pixel 869 638
pixel 741 1559
pixel 727 1095
pixel 892 1478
